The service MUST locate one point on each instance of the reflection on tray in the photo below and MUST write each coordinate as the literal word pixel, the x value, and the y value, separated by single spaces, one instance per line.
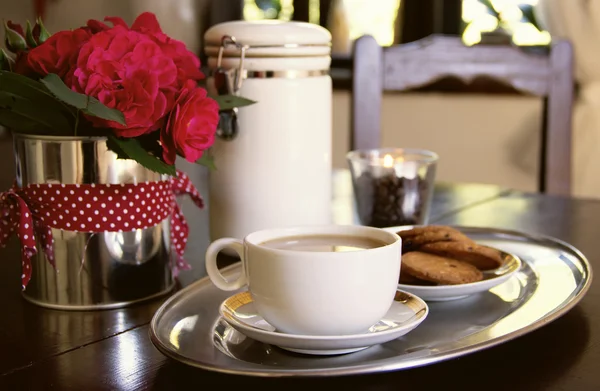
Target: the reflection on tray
pixel 552 279
pixel 448 322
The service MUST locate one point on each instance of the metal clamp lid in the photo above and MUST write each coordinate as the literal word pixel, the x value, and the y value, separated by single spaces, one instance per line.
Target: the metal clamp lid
pixel 229 82
pixel 237 81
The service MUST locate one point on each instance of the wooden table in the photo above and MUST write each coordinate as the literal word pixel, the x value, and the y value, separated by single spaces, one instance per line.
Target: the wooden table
pixel 47 349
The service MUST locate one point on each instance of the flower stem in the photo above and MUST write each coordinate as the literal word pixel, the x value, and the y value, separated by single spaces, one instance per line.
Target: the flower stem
pixel 76 122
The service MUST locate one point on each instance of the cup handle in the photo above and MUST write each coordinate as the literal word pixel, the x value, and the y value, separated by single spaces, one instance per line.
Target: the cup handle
pixel 211 264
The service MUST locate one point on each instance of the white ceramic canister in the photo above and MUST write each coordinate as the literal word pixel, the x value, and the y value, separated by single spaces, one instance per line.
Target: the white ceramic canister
pixel 275 171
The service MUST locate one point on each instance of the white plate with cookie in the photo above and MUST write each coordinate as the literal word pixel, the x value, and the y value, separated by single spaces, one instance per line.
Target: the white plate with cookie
pixel 439 263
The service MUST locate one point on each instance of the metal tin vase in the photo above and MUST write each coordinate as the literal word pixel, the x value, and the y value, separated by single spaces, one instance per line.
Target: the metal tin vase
pixel 273 158
pixel 93 270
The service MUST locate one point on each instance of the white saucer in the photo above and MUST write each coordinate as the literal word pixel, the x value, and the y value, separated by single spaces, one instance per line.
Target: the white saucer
pixel 406 313
pixel 491 279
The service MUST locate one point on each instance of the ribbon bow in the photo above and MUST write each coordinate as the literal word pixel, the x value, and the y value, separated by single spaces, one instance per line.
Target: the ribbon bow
pixel 182 185
pixel 16 215
pixel 93 208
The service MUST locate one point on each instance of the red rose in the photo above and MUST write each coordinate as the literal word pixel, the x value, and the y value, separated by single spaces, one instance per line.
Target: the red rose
pixel 95 26
pixel 128 71
pixel 22 65
pixel 192 125
pixel 187 63
pixel 58 54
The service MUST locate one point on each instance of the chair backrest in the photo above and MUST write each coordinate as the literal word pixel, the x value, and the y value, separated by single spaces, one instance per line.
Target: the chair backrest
pixel 426 63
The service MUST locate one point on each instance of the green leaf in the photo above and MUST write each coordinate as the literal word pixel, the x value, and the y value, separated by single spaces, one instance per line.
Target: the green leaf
pixel 130 148
pixel 46 119
pixel 6 62
pixel 60 90
pixel 29 36
pixel 228 102
pixel 98 109
pixel 151 143
pixel 44 34
pixel 35 100
pixel 113 143
pixel 207 160
pixel 87 104
pixel 27 88
pixel 20 124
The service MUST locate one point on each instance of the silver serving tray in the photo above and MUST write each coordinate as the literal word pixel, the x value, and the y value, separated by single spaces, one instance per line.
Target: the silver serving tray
pixel 553 278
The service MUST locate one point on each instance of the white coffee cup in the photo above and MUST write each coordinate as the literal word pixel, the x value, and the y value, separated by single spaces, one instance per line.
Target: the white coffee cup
pixel 314 292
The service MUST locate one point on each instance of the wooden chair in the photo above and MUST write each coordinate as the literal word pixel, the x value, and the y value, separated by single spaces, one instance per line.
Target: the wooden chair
pixel 439 62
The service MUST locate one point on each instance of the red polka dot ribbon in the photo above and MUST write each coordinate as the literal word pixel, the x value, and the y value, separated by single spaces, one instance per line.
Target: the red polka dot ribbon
pixel 93 208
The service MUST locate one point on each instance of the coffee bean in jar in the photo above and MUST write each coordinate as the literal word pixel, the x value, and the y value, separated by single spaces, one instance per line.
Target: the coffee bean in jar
pixel 390 200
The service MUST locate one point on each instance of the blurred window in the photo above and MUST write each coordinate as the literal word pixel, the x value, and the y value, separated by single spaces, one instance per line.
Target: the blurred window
pixel 515 17
pixel 373 17
pixel 378 18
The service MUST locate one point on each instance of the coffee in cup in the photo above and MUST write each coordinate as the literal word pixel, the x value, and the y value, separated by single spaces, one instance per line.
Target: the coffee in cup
pixel 315 280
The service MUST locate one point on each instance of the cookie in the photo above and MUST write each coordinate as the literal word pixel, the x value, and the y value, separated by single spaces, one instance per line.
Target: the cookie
pixel 482 257
pixel 440 270
pixel 408 279
pixel 432 234
pixel 420 229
